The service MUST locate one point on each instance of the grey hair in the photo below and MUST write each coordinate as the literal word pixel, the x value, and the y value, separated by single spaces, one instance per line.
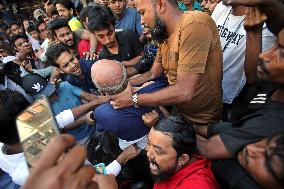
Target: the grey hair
pixel 116 88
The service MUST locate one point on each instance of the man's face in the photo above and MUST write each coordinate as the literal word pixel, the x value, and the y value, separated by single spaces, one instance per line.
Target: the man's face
pixel 271 64
pixel 104 2
pixel 106 37
pixel 15 29
pixel 161 154
pixel 23 46
pixel 34 34
pixel 42 28
pixel 150 20
pixel 63 11
pixel 117 7
pixel 65 36
pixel 208 6
pixel 253 159
pixel 69 64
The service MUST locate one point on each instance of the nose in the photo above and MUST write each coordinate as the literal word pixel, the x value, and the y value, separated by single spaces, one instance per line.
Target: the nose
pixel 116 3
pixel 255 150
pixel 149 152
pixel 203 3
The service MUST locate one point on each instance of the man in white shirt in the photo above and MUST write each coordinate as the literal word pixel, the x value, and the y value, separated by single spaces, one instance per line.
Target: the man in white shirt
pixel 230 23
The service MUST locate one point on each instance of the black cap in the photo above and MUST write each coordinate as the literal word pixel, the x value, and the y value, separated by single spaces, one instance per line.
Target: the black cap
pixel 36 86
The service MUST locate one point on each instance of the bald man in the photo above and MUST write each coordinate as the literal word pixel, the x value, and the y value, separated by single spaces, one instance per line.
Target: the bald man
pixel 110 78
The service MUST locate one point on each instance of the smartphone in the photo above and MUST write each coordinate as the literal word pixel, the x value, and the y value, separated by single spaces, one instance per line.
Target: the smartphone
pixel 100 168
pixel 36 126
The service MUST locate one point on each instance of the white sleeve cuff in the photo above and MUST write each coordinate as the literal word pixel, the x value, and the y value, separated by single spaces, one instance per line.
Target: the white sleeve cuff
pixel 64 118
pixel 113 168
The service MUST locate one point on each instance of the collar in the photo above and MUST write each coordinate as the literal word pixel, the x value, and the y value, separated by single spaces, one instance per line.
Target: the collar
pixel 187 171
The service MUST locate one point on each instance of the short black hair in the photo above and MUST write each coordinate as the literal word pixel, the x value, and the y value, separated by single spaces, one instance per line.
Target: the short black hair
pixel 100 18
pixel 14 38
pixel 54 12
pixel 38 23
pixel 276 152
pixel 7 47
pixel 54 51
pixel 31 28
pixel 57 24
pixel 11 104
pixel 14 23
pixel 84 13
pixel 68 4
pixel 182 133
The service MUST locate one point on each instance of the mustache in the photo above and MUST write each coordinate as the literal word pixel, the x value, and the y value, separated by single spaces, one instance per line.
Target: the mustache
pixel 263 66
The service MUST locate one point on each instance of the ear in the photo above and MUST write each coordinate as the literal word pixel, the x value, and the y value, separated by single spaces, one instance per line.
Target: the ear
pixel 161 6
pixel 183 160
pixel 72 12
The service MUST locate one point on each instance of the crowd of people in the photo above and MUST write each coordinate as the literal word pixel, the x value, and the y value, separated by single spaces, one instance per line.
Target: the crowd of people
pixel 166 93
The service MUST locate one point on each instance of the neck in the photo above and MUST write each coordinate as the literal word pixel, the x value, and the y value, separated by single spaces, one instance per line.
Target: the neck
pixel 278 95
pixel 13 149
pixel 114 49
pixel 173 20
pixel 239 10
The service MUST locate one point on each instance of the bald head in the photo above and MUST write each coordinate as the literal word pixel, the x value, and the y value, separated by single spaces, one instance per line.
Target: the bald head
pixel 109 76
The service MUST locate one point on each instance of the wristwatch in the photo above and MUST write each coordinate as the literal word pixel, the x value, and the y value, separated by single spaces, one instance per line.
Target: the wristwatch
pixel 135 100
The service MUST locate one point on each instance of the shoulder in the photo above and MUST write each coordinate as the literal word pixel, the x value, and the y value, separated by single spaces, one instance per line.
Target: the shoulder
pixel 131 11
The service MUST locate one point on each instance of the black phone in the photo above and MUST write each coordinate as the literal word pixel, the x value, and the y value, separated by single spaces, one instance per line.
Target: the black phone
pixel 36 127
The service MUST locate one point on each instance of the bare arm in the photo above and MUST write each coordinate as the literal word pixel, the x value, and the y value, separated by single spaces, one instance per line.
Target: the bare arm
pixel 88 96
pixel 180 92
pixel 132 62
pixel 85 108
pixel 213 148
pixel 87 35
pixel 253 24
pixel 156 70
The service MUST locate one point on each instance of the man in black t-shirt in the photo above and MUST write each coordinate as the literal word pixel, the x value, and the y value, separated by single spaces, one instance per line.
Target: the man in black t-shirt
pixel 123 46
pixel 263 123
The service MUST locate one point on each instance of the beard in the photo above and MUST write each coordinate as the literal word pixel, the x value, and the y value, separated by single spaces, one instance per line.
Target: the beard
pixel 164 175
pixel 159 32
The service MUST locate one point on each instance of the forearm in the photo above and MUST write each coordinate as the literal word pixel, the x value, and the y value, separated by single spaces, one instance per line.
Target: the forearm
pixel 85 108
pixel 75 124
pixel 132 62
pixel 93 42
pixel 88 96
pixel 174 94
pixel 147 76
pixel 253 49
pixel 212 148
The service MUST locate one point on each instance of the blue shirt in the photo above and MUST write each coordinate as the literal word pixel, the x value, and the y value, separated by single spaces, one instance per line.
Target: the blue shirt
pixel 126 123
pixel 68 98
pixel 196 6
pixel 130 20
pixel 86 84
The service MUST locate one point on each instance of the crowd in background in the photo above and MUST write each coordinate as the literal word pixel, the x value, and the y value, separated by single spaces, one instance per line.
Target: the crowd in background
pixel 167 94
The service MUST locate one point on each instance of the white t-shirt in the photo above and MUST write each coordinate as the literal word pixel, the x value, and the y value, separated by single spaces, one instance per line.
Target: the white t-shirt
pixel 15 165
pixel 234 55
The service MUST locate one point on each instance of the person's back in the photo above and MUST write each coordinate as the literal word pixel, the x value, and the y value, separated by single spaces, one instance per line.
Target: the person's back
pixel 68 97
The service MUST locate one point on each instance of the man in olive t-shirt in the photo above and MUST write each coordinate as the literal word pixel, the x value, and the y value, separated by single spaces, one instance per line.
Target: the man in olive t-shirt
pixel 191 56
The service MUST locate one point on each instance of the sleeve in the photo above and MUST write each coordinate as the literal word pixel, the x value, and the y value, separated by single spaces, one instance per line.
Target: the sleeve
pixel 251 131
pixel 138 26
pixel 64 118
pixel 44 72
pixel 268 39
pixel 197 182
pixel 113 168
pixel 75 90
pixel 194 45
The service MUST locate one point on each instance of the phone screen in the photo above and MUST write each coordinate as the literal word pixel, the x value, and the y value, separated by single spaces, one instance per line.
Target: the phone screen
pixel 36 126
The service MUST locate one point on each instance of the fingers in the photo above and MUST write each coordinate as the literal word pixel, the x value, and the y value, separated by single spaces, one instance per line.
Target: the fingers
pixel 72 161
pixel 54 150
pixel 84 178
